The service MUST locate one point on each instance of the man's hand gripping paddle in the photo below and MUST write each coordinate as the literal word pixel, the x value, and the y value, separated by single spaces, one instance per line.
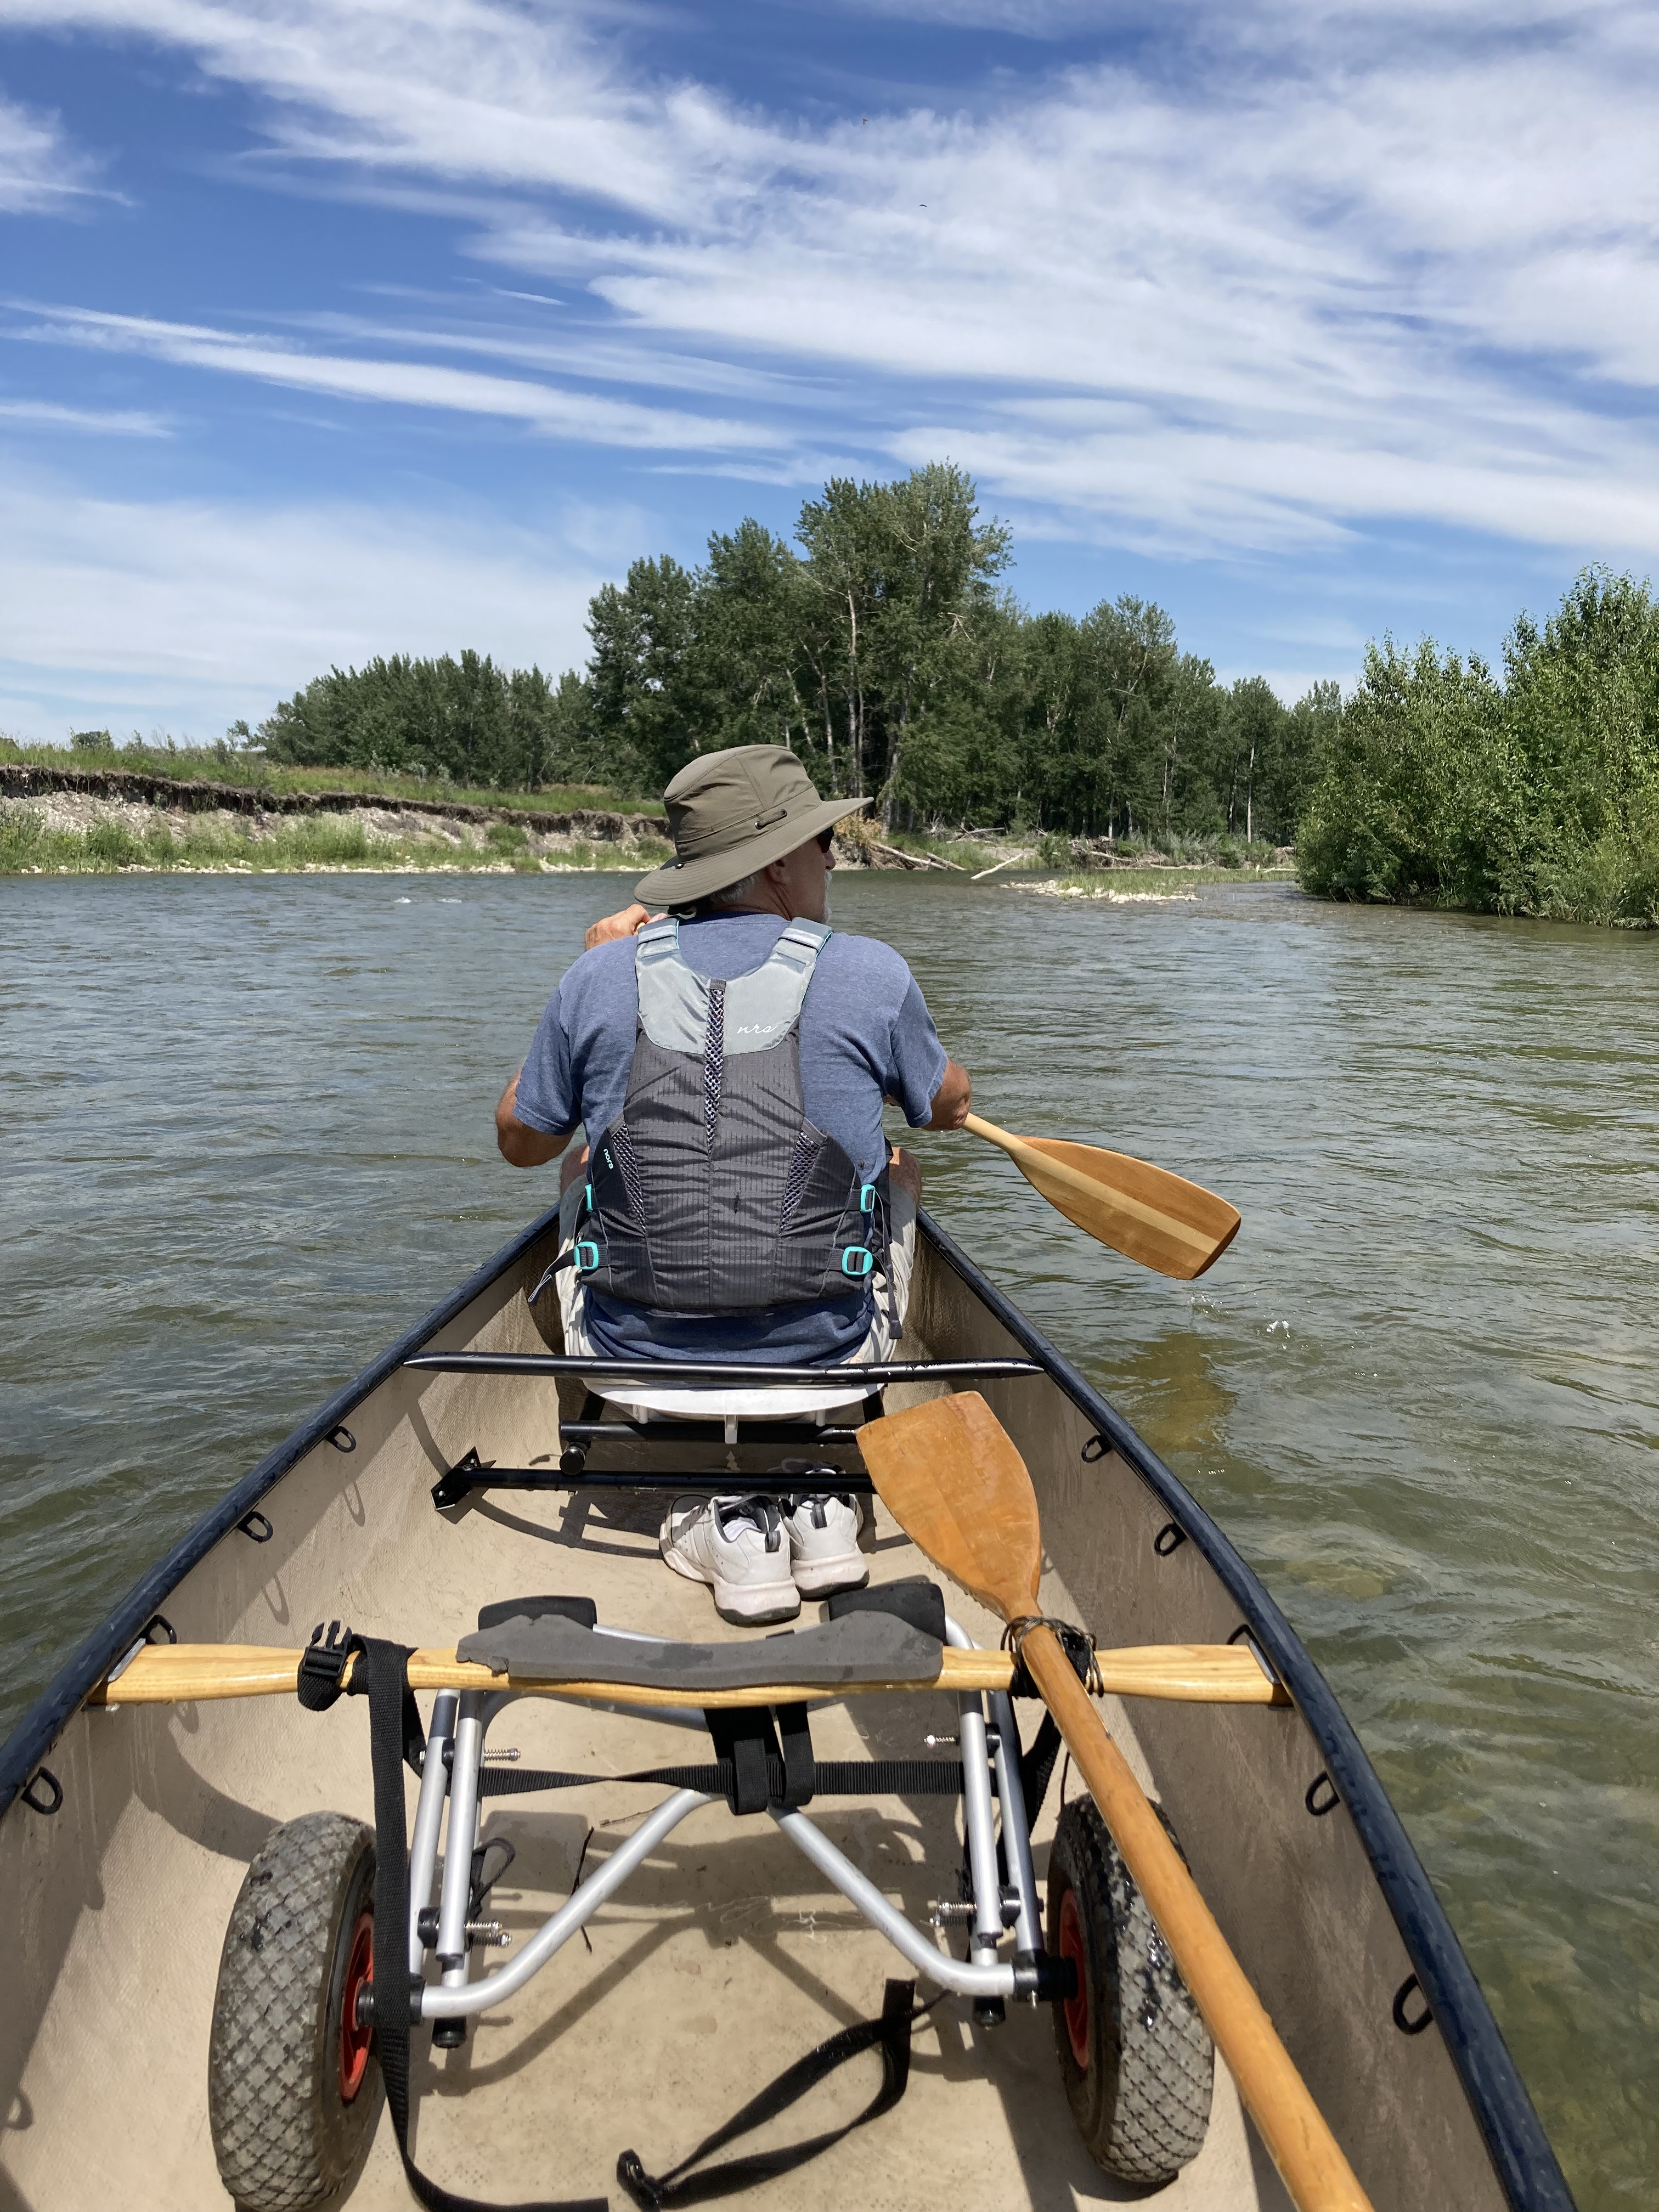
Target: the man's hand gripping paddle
pixel 1145 1212
pixel 949 1473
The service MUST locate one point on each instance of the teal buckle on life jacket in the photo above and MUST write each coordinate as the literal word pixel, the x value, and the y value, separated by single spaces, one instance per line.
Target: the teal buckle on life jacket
pixel 857 1260
pixel 584 1257
pixel 867 1198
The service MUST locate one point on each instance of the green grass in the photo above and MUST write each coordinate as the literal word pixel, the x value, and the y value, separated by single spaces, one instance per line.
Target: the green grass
pixel 251 771
pixel 28 847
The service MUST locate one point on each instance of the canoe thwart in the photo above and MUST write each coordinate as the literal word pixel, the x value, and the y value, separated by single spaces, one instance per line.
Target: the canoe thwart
pixel 1198 1673
pixel 718 1373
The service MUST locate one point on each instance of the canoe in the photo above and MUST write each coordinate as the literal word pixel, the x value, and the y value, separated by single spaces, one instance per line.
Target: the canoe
pixel 128 1829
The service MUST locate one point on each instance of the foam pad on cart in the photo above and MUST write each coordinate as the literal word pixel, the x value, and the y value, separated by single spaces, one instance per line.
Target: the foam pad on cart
pixel 870 1647
pixel 914 1599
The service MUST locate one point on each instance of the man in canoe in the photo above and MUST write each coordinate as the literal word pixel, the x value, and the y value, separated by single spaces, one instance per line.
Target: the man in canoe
pixel 729 1059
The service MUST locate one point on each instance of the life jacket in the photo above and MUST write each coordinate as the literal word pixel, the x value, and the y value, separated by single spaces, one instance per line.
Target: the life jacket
pixel 712 1193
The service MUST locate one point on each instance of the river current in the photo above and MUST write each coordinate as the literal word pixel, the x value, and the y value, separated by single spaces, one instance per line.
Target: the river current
pixel 246 1140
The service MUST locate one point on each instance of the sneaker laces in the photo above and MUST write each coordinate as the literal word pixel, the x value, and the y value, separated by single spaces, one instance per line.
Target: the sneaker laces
pixel 757 1512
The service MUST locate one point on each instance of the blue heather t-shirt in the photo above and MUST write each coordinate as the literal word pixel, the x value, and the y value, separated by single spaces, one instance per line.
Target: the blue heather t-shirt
pixel 865 1033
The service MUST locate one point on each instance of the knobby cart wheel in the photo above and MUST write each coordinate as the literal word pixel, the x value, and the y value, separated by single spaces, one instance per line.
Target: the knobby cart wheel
pixel 294 2088
pixel 1134 2053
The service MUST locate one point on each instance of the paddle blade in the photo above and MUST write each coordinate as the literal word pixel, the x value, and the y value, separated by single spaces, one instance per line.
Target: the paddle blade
pixel 1160 1219
pixel 949 1474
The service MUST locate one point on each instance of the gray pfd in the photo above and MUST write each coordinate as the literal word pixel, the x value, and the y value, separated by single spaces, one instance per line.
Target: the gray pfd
pixel 711 1192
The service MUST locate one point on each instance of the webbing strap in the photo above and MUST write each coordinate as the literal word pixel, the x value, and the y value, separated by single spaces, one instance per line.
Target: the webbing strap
pixel 826 1777
pixel 658 940
pixel 382 1674
pixel 679 2185
pixel 801 943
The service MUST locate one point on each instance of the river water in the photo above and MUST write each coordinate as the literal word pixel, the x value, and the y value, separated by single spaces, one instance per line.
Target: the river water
pixel 246 1139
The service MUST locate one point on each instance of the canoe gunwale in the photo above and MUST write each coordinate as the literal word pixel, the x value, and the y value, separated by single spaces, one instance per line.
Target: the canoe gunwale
pixel 1522 2155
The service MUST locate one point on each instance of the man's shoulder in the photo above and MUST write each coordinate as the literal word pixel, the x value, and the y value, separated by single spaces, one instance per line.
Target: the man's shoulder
pixel 867 963
pixel 600 975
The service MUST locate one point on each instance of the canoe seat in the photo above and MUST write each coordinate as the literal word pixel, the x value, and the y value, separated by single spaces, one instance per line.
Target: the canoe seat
pixel 702 1401
pixel 530 1639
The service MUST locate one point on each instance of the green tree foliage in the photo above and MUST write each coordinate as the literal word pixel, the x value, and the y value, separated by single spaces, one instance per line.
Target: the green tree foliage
pixel 1539 795
pixel 885 652
pixel 464 719
pixel 881 646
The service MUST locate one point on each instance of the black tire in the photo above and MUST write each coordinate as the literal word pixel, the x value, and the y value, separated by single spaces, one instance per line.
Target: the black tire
pixel 293 2100
pixel 1134 2053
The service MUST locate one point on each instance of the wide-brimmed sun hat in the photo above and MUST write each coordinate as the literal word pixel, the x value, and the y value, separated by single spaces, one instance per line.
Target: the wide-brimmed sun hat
pixel 729 814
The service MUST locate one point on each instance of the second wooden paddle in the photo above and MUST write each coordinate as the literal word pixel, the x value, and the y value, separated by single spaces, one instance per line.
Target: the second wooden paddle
pixel 1144 1212
pixel 950 1475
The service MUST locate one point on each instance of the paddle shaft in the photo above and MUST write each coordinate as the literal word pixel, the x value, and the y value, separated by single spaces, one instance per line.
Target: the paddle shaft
pixel 165 1673
pixel 1310 2159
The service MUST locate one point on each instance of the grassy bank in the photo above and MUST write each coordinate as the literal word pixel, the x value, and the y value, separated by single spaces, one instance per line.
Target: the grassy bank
pixel 29 846
pixel 252 771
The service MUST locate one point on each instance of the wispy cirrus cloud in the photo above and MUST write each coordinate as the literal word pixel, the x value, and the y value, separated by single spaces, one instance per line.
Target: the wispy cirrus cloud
pixel 584 416
pixel 1288 268
pixel 208 608
pixel 105 421
pixel 39 172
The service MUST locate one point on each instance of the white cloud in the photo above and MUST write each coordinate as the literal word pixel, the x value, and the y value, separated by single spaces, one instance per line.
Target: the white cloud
pixel 39 173
pixel 192 614
pixel 115 422
pixel 1296 269
pixel 408 383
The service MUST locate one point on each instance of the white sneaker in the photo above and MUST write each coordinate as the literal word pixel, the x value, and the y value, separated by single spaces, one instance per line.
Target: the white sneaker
pixel 738 1545
pixel 823 1545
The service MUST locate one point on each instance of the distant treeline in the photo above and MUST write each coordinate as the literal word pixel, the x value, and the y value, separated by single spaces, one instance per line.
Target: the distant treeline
pixel 1537 794
pixel 882 648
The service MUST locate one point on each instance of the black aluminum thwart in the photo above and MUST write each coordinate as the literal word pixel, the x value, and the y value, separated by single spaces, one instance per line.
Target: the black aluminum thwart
pixel 471 1473
pixel 751 1374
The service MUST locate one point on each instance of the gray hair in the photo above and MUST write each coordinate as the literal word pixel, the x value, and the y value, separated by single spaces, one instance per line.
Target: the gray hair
pixel 716 900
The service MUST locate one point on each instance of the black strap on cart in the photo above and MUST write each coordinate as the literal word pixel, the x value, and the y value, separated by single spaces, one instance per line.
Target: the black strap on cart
pixel 395 1739
pixel 679 2185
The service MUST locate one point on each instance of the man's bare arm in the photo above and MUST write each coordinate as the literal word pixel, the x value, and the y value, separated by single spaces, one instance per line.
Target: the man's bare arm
pixel 521 1147
pixel 953 1099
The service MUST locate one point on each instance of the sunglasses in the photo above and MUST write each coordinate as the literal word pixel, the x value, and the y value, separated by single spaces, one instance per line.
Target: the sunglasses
pixel 826 838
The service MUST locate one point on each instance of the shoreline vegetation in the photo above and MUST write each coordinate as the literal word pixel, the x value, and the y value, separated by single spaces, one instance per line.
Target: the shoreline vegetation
pixel 125 811
pixel 883 648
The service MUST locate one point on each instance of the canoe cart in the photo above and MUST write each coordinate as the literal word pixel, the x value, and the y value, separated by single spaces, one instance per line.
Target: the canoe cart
pixel 278 1912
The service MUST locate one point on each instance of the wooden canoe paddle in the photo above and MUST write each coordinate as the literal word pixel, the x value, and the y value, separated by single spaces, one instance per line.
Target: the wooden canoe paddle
pixel 949 1473
pixel 1144 1212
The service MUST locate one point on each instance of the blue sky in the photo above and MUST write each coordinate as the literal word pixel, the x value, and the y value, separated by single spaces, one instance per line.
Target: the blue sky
pixel 332 327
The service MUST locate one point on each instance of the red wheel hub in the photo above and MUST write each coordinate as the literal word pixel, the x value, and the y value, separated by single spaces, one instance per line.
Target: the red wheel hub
pixel 354 2040
pixel 1075 2009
